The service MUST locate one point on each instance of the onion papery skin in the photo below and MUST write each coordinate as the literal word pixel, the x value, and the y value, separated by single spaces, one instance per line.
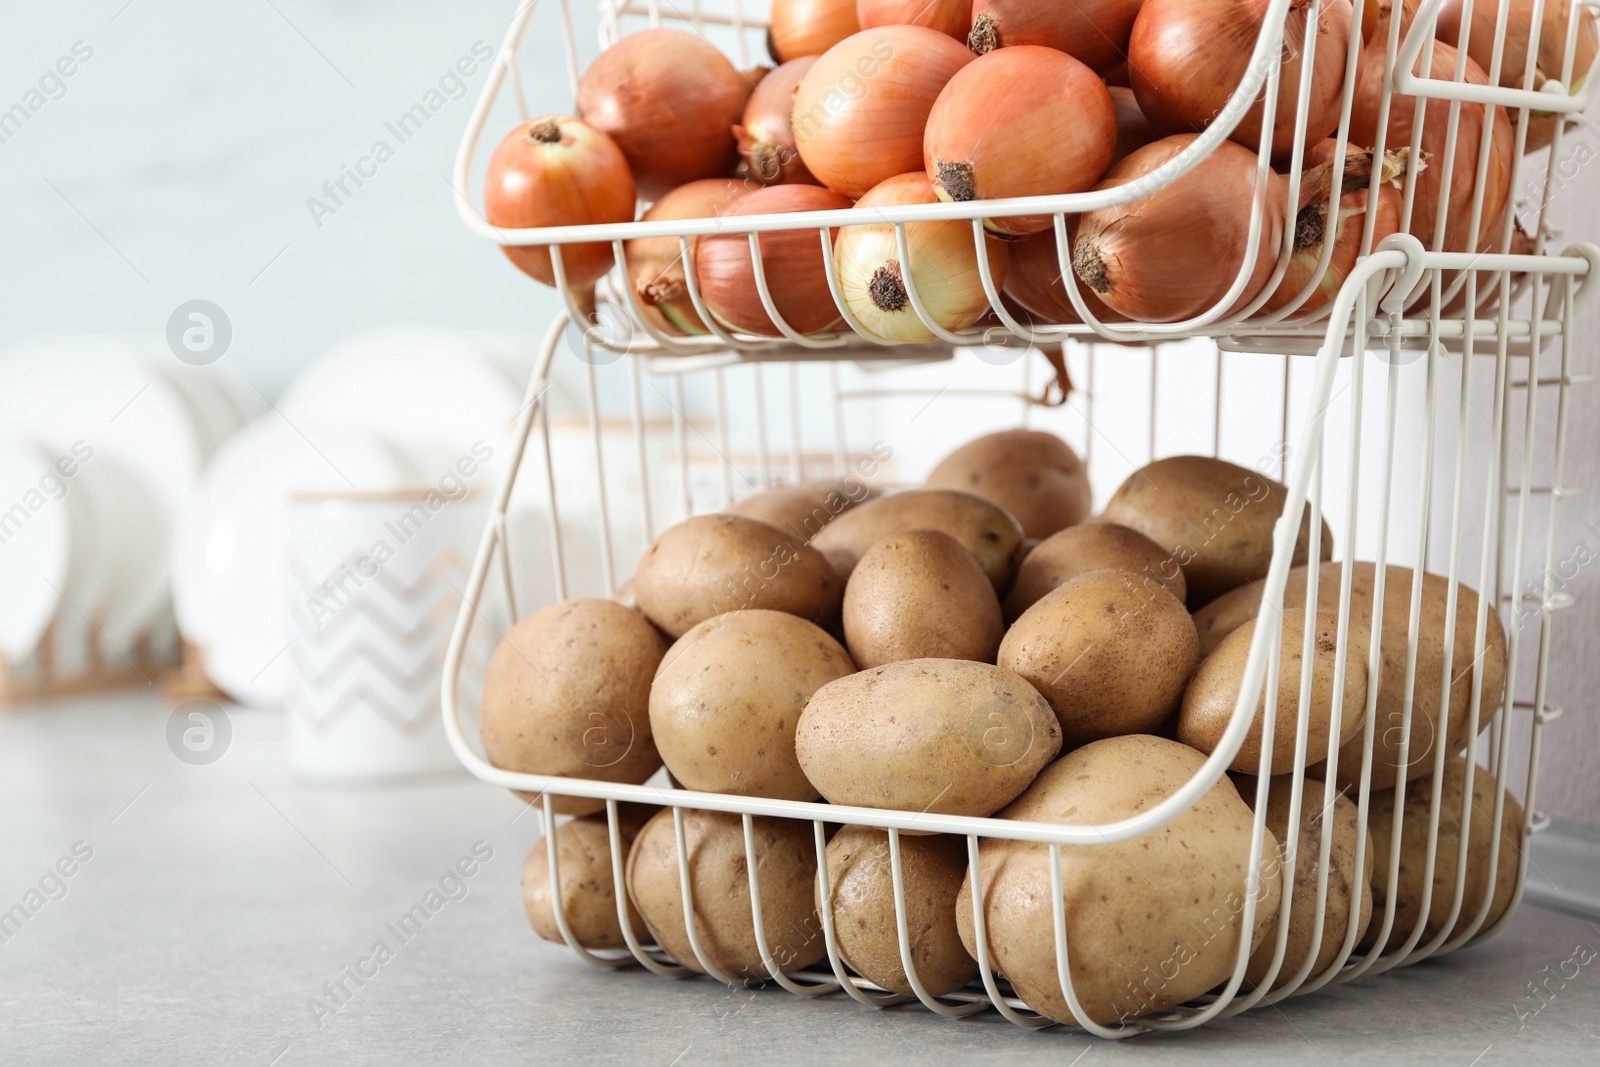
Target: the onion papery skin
pixel 798 28
pixel 1548 63
pixel 1186 58
pixel 766 136
pixel 796 273
pixel 1134 129
pixel 1022 121
pixel 943 266
pixel 1034 282
pixel 1313 227
pixel 1426 208
pixel 952 17
pixel 1095 32
pixel 860 111
pixel 1173 254
pixel 655 264
pixel 558 171
pixel 670 100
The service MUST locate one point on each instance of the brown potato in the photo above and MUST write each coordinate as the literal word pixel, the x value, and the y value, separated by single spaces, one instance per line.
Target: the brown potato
pixel 1408 892
pixel 719 878
pixel 1389 721
pixel 1035 476
pixel 568 694
pixel 802 510
pixel 1214 517
pixel 920 595
pixel 728 696
pixel 1209 700
pixel 987 531
pixel 588 891
pixel 861 885
pixel 1110 655
pixel 1226 614
pixel 1078 550
pixel 1151 922
pixel 1342 891
pixel 713 564
pixel 946 736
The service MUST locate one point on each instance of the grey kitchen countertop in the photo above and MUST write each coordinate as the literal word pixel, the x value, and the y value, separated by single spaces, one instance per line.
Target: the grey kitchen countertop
pixel 208 909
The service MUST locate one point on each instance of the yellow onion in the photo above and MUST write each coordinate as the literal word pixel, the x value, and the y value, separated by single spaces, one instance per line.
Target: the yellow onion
pixel 655 264
pixel 766 137
pixel 1186 58
pixel 947 16
pixel 1095 32
pixel 798 28
pixel 1134 130
pixel 1034 282
pixel 1174 253
pixel 1020 121
pixel 943 266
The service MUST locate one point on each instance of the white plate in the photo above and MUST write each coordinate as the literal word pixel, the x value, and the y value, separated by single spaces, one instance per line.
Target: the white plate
pixel 227 563
pixel 35 548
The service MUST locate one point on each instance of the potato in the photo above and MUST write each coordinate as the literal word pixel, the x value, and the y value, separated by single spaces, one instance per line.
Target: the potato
pixel 1214 517
pixel 1342 892
pixel 1209 700
pixel 1391 682
pixel 861 888
pixel 1408 891
pixel 1093 547
pixel 946 736
pixel 719 878
pixel 920 595
pixel 988 532
pixel 1110 655
pixel 568 694
pixel 1151 922
pixel 588 891
pixel 626 595
pixel 1226 614
pixel 712 564
pixel 804 509
pixel 728 696
pixel 1035 476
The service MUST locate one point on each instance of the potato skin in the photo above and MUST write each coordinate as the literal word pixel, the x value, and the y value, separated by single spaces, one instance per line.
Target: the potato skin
pixel 951 737
pixel 712 564
pixel 1342 892
pixel 588 891
pixel 1185 884
pixel 1101 546
pixel 727 699
pixel 1035 476
pixel 1226 614
pixel 803 509
pixel 1209 700
pixel 861 884
pixel 1414 851
pixel 920 595
pixel 568 694
pixel 1214 517
pixel 786 870
pixel 990 533
pixel 1111 656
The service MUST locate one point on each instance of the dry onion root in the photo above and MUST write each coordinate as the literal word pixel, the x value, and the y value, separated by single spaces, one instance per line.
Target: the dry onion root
pixel 766 137
pixel 655 264
pixel 1034 282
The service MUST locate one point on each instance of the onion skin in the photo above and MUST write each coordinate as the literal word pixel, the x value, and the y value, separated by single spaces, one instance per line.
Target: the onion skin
pixel 558 171
pixel 792 263
pixel 1313 228
pixel 1549 62
pixel 655 264
pixel 766 137
pixel 1134 130
pixel 1173 254
pixel 1034 283
pixel 860 112
pixel 951 17
pixel 1095 32
pixel 1186 58
pixel 944 266
pixel 1020 121
pixel 799 28
pixel 670 100
pixel 1425 213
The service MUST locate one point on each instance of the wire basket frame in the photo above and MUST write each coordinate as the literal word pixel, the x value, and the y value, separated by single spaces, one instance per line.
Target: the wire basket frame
pixel 1363 342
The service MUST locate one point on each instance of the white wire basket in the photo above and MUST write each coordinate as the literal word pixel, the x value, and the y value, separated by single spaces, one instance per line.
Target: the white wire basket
pixel 1426 434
